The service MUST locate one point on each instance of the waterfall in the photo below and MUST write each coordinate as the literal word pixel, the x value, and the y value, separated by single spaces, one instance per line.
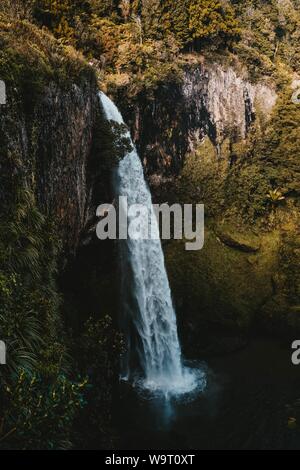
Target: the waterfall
pixel 148 316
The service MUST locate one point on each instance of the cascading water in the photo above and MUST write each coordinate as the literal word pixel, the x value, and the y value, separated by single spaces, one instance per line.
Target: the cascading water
pixel 148 315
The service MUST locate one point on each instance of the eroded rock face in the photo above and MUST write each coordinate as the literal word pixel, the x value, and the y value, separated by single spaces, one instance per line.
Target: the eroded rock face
pixel 210 100
pixel 229 101
pixel 246 273
pixel 49 146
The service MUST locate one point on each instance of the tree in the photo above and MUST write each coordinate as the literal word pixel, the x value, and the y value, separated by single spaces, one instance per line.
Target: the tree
pixel 212 19
pixel 102 7
pixel 176 20
pixel 280 149
pixel 125 9
pixel 151 16
pixel 17 8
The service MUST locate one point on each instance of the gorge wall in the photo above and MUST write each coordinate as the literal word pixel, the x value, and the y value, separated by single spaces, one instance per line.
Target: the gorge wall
pixel 192 135
pixel 195 138
pixel 209 100
pixel 53 145
pixel 53 151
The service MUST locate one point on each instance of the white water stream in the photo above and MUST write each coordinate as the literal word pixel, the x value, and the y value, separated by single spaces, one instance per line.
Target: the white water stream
pixel 148 315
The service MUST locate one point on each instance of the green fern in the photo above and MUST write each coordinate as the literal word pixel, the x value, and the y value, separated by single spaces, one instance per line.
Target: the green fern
pixel 275 196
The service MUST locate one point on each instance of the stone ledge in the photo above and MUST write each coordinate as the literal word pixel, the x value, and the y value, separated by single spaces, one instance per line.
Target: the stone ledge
pixel 237 242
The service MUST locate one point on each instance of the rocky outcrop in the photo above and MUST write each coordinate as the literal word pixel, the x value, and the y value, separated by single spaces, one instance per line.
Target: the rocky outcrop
pixel 233 240
pixel 51 149
pixel 210 100
pixel 246 273
pixel 228 101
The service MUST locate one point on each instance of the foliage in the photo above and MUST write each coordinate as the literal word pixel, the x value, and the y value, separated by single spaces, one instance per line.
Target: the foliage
pixel 30 58
pixel 275 196
pixel 101 346
pixel 142 38
pixel 131 58
pixel 176 19
pixel 212 20
pixel 112 143
pixel 279 150
pixel 151 19
pixel 18 9
pixel 40 401
pixel 269 171
pixel 139 38
pixel 39 414
pixel 270 34
pixel 29 299
pixel 30 325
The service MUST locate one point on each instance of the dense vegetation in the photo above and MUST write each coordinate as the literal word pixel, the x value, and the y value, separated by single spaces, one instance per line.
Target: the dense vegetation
pixel 42 391
pixel 141 42
pixel 50 382
pixel 54 379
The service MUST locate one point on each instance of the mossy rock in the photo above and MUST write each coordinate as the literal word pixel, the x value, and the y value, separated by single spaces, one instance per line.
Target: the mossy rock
pixel 31 58
pixel 247 243
pixel 221 284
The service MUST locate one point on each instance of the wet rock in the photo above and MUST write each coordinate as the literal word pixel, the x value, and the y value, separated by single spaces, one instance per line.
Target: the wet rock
pixel 237 243
pixel 52 151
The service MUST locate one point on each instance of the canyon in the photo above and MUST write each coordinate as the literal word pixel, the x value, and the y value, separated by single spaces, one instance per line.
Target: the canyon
pixel 56 150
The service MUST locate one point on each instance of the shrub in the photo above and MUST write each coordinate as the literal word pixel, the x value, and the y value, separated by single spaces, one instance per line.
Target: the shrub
pixel 39 414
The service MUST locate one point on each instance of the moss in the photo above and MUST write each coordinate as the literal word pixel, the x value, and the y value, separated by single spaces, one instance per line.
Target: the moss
pixel 247 272
pixel 31 58
pixel 221 284
pixel 283 309
pixel 200 179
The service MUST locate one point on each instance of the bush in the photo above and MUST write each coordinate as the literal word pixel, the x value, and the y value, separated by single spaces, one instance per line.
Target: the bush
pixel 39 414
pixel 212 20
pixel 101 346
pixel 39 402
pixel 31 58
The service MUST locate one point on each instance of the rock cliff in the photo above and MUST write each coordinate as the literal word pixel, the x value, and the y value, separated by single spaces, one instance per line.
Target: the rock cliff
pixel 194 137
pixel 52 150
pixel 210 100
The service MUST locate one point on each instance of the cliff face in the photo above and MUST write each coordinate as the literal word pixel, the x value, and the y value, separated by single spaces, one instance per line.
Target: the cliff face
pixel 210 100
pixel 55 149
pixel 64 150
pixel 189 131
pixel 194 135
pixel 229 102
pixel 50 148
